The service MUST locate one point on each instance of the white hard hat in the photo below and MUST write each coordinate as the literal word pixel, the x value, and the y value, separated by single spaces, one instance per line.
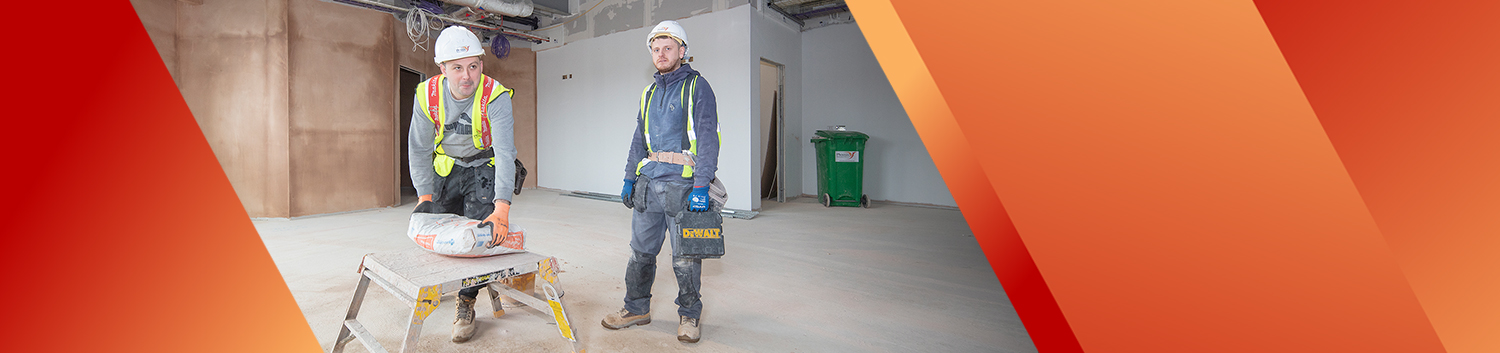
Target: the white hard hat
pixel 456 43
pixel 670 28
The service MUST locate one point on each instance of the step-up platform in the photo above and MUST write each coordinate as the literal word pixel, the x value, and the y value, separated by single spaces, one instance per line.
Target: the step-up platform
pixel 420 279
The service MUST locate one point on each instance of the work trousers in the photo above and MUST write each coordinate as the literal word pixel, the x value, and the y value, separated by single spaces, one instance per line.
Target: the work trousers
pixel 468 192
pixel 649 227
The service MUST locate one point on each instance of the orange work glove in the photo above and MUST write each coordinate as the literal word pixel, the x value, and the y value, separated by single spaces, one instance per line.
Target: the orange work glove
pixel 500 220
pixel 425 200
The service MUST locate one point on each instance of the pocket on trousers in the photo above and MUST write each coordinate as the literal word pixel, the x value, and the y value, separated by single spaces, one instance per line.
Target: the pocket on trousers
pixel 483 188
pixel 676 199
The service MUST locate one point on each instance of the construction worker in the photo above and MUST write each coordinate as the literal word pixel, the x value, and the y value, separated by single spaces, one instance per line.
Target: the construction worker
pixel 673 155
pixel 461 126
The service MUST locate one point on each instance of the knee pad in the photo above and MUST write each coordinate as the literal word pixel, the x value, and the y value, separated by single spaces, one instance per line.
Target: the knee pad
pixel 642 258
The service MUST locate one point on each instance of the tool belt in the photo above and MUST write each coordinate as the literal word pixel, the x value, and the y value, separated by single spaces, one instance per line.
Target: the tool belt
pixel 672 157
pixel 717 195
pixel 481 155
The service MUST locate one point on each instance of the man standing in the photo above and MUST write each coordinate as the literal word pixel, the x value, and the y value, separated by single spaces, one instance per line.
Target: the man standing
pixel 674 154
pixel 461 125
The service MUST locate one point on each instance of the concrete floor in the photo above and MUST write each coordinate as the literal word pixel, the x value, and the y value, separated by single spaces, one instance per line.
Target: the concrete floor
pixel 797 278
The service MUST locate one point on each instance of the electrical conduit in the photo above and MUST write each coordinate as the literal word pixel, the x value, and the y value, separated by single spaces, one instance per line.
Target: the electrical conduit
pixel 520 8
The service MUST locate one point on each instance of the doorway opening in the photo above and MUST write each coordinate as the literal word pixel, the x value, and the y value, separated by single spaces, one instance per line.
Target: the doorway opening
pixel 772 113
pixel 406 91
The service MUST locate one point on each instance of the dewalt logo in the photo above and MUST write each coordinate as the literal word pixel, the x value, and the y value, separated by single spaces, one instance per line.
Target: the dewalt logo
pixel 709 233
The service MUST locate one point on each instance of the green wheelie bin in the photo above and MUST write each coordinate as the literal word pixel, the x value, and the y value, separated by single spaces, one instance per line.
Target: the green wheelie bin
pixel 841 167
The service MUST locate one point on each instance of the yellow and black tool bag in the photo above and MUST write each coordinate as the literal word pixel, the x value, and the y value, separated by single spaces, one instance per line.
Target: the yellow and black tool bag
pixel 698 235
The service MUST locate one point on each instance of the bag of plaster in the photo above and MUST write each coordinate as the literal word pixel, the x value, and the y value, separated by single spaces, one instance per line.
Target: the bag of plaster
pixel 454 235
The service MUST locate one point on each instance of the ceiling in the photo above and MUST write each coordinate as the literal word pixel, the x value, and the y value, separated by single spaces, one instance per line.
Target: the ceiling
pixel 801 10
pixel 559 5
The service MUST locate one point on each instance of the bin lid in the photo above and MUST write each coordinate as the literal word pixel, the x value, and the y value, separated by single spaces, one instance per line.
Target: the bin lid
pixel 842 135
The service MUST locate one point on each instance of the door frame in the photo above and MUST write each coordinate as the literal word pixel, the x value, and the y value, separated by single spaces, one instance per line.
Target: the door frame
pixel 780 139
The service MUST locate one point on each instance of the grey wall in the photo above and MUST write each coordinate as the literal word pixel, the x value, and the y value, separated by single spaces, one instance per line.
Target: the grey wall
pixel 779 40
pixel 844 85
pixel 584 123
pixel 832 78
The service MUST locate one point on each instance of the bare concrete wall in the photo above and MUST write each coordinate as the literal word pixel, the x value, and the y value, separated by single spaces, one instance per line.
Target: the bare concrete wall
pixel 297 98
pixel 341 125
pixel 232 71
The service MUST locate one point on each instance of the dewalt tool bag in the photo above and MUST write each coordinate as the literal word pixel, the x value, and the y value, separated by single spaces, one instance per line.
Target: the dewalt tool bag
pixel 700 235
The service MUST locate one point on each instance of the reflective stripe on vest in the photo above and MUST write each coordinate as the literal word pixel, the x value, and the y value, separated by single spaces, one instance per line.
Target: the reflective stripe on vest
pixel 646 96
pixel 646 127
pixel 437 112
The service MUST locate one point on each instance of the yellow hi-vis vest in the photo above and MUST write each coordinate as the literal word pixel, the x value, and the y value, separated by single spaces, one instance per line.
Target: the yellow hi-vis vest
pixel 437 112
pixel 646 97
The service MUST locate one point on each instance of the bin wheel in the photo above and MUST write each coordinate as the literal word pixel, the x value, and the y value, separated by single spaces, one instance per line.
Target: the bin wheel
pixel 826 200
pixel 864 201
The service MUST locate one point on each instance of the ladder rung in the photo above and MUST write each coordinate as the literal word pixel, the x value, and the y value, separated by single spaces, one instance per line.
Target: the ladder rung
pixel 364 336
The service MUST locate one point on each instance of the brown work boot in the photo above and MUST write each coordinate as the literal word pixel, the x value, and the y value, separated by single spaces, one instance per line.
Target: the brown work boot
pixel 687 330
pixel 623 319
pixel 463 322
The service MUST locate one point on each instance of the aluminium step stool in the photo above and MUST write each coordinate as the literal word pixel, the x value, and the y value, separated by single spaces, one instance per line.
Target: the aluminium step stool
pixel 420 279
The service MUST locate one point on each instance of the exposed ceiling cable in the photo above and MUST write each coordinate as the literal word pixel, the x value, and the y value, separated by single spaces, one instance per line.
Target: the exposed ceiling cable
pixel 418 26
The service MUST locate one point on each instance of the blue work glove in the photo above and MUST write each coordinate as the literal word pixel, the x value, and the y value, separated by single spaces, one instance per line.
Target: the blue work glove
pixel 625 193
pixel 698 200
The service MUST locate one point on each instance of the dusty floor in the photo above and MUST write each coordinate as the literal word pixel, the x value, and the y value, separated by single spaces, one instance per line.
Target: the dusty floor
pixel 797 278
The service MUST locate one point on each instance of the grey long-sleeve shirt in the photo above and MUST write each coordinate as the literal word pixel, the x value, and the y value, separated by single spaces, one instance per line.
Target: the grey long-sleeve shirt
pixel 459 142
